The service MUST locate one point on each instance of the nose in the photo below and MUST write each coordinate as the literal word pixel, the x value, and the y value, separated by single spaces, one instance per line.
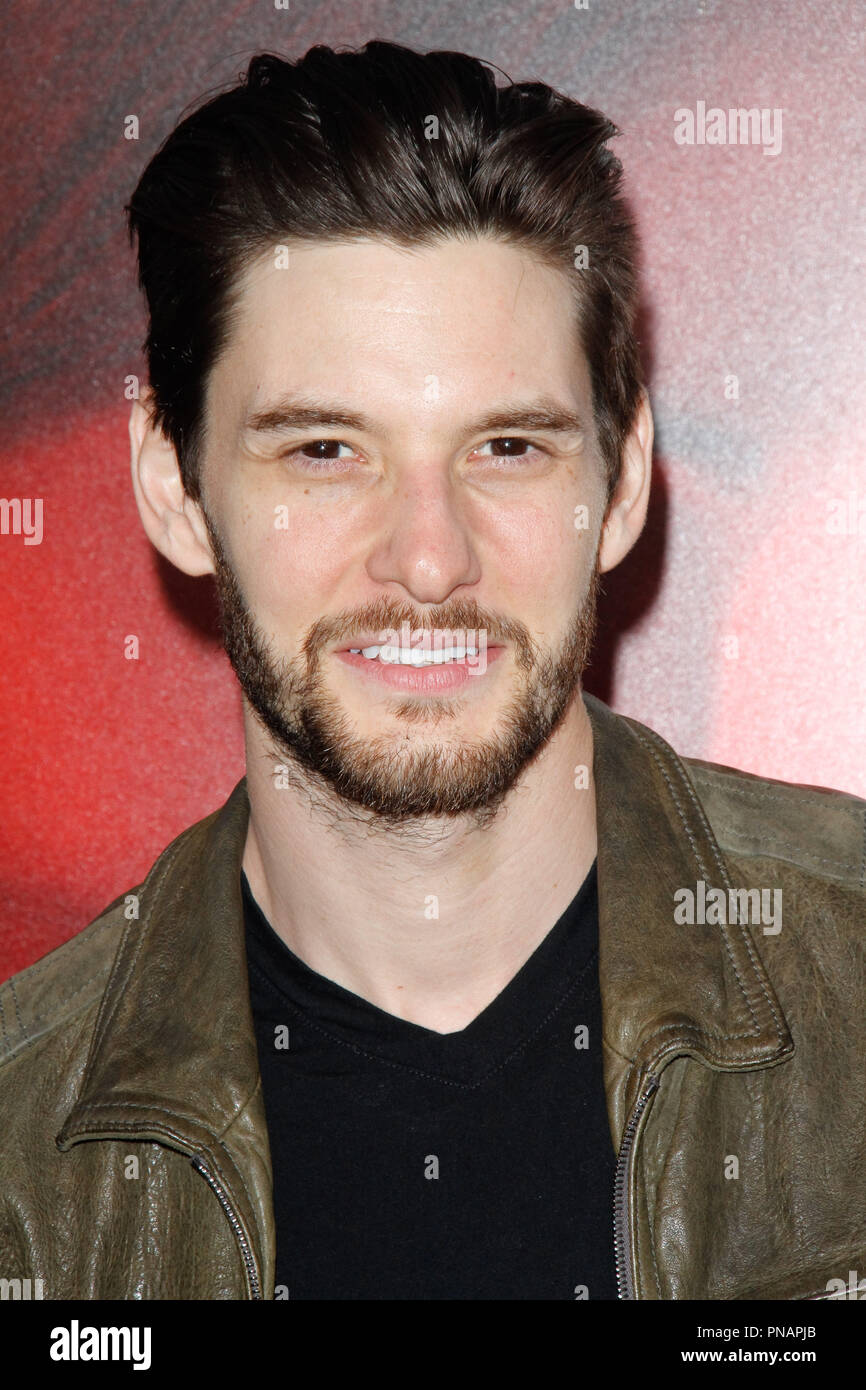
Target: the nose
pixel 424 543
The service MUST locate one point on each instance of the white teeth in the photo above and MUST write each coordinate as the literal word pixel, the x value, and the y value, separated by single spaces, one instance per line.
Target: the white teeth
pixel 414 656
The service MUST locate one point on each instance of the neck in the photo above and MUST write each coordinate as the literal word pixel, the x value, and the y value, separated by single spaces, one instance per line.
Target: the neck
pixel 429 922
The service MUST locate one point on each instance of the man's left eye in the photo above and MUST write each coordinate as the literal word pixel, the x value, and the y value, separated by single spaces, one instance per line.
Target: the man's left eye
pixel 508 447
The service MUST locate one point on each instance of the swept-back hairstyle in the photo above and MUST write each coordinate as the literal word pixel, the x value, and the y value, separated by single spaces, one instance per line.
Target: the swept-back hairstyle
pixel 384 141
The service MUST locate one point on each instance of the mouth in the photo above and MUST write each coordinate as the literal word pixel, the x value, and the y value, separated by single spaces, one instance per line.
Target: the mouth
pixel 424 672
pixel 415 657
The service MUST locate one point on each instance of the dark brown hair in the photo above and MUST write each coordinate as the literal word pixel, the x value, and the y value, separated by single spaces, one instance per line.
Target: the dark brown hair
pixel 384 141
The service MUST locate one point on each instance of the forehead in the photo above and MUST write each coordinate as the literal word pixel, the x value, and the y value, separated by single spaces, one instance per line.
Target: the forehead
pixel 368 320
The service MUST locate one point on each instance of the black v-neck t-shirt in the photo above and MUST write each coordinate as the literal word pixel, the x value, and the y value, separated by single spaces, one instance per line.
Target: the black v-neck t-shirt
pixel 410 1164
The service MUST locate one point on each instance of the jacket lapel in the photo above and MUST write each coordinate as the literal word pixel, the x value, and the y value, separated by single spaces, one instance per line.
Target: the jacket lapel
pixel 667 988
pixel 173 1056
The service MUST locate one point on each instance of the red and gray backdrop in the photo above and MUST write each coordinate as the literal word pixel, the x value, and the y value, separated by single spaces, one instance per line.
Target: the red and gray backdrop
pixel 736 627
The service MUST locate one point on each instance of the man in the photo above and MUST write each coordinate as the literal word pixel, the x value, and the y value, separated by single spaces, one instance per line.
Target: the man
pixel 473 988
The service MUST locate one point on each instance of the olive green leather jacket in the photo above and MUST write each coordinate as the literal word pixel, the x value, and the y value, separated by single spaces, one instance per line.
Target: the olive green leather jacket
pixel 134 1156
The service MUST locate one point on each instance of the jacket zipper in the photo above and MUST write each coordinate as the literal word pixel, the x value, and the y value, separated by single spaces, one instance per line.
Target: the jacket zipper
pixel 246 1250
pixel 621 1188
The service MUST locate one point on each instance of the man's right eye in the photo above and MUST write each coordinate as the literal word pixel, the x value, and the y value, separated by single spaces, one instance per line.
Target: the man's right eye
pixel 321 448
pixel 304 457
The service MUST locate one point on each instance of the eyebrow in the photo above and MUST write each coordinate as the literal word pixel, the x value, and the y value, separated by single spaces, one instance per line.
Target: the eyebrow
pixel 300 412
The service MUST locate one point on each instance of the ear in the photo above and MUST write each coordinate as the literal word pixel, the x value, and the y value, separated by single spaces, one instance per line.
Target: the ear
pixel 627 510
pixel 173 521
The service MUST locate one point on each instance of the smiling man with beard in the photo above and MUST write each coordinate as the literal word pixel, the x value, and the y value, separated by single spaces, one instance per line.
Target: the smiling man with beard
pixel 412 1016
pixel 438 778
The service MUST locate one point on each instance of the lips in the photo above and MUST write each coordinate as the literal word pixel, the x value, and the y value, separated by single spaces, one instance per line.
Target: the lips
pixel 428 679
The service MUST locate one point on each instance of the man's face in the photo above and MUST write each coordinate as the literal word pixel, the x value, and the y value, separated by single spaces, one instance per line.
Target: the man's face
pixel 426 498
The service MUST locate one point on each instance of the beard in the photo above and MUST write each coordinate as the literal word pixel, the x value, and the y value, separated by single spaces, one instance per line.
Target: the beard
pixel 397 778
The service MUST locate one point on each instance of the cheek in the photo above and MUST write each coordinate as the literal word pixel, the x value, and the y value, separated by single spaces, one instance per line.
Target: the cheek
pixel 293 560
pixel 537 555
pixel 297 561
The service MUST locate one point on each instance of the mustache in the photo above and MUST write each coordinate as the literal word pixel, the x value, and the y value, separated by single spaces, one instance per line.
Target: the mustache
pixel 385 614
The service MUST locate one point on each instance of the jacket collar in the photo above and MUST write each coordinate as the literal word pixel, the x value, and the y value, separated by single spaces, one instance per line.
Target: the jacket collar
pixel 173 1054
pixel 667 989
pixel 173 1037
pixel 173 1057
